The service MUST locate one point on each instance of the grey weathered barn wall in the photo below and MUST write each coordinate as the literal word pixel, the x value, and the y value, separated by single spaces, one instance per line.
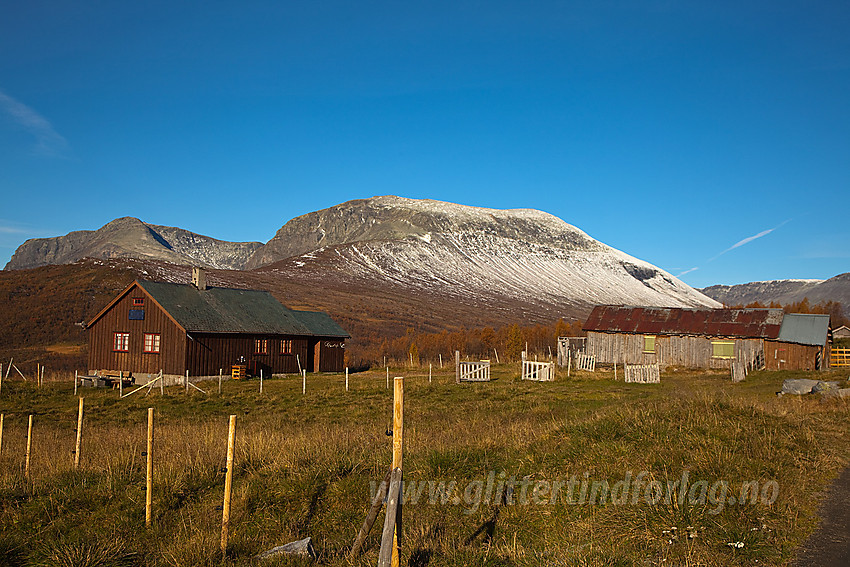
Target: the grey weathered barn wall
pixel 685 351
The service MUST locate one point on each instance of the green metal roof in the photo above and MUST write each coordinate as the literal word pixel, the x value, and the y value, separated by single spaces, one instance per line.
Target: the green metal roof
pixel 225 310
pixel 804 329
pixel 321 323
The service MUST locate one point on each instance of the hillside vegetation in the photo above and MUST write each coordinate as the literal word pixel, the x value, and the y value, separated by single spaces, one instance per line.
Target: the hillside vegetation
pixel 304 464
pixel 40 309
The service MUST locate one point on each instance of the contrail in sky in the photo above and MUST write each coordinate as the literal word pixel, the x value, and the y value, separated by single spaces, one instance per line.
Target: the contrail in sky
pixel 736 245
pixel 750 239
pixel 48 141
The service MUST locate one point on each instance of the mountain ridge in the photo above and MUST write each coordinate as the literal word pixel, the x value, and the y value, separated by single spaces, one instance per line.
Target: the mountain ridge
pixel 836 288
pixel 129 237
pixel 487 256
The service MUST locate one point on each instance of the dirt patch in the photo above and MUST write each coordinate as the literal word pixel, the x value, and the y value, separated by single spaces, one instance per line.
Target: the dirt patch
pixel 65 349
pixel 829 546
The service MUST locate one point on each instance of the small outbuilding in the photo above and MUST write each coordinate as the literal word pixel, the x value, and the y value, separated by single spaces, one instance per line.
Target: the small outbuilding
pixel 842 332
pixel 153 326
pixel 708 338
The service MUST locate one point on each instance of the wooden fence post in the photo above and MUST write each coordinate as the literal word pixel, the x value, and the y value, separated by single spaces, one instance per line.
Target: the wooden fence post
pixel 120 383
pixel 220 370
pixel 161 383
pixel 346 378
pixel 2 417
pixel 261 381
pixel 76 380
pixel 377 503
pixel 389 554
pixel 228 485
pixel 149 482
pixel 78 445
pixel 186 382
pixel 457 367
pixel 29 449
pixel 388 377
pixel 303 382
pixel 429 372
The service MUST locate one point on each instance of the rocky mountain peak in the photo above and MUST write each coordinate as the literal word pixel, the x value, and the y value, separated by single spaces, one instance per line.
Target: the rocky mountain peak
pixel 391 218
pixel 129 237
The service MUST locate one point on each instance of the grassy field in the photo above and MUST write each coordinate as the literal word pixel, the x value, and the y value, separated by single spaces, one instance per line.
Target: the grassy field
pixel 304 464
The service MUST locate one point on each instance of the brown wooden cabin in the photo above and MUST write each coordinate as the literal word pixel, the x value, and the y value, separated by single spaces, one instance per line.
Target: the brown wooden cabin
pixel 708 338
pixel 153 326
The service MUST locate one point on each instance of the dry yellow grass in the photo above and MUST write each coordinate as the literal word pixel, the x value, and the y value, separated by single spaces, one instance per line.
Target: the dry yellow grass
pixel 304 466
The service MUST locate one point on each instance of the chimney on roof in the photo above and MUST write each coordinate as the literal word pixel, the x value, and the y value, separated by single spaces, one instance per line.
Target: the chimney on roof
pixel 199 278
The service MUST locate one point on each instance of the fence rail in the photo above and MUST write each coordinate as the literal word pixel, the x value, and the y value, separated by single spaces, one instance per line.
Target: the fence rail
pixel 839 357
pixel 643 373
pixel 538 371
pixel 474 371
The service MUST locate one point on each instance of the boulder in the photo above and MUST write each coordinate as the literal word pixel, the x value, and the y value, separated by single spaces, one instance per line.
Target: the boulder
pixel 798 386
pixel 302 547
pixel 824 387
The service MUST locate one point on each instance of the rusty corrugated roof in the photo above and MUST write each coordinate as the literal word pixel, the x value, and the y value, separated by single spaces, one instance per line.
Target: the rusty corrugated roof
pixel 750 323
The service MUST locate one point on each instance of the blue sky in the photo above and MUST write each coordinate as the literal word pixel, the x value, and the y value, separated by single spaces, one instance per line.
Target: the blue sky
pixel 709 138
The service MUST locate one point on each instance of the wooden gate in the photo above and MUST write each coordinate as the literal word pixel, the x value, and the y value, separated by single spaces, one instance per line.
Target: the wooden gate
pixel 473 371
pixel 585 362
pixel 839 357
pixel 538 371
pixel 643 373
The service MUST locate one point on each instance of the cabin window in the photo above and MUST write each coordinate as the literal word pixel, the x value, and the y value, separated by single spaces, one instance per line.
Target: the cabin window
pixel 723 349
pixel 138 301
pixel 121 342
pixel 286 346
pixel 649 343
pixel 152 342
pixel 261 346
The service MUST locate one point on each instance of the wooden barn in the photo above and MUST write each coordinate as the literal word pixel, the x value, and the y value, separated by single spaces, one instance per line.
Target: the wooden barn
pixel 708 338
pixel 153 326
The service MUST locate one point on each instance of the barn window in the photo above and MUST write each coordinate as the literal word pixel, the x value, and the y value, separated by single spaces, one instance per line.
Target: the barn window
pixel 261 346
pixel 723 349
pixel 649 343
pixel 151 342
pixel 286 346
pixel 138 301
pixel 121 342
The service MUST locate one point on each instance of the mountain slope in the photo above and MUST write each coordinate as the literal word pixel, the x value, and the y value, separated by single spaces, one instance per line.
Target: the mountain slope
pixel 129 237
pixel 784 291
pixel 469 252
pixel 517 261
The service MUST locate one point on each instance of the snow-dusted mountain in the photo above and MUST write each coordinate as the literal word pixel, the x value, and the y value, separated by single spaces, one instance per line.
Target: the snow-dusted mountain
pixel 784 291
pixel 464 251
pixel 129 237
pixel 514 261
